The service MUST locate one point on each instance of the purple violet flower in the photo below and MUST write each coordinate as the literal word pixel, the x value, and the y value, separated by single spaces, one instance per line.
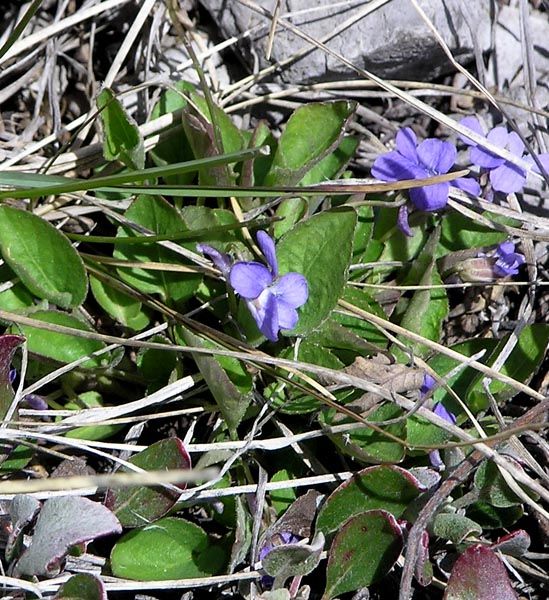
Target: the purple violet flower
pixel 221 260
pixel 412 161
pixel 35 402
pixel 504 176
pixel 443 413
pixel 508 261
pixel 439 410
pixel 283 538
pixel 271 299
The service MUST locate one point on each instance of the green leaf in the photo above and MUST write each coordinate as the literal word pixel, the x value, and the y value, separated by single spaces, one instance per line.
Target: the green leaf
pixel 123 140
pixel 233 395
pixel 309 249
pixel 454 527
pixel 138 505
pixel 290 210
pixel 201 134
pixel 363 551
pixel 293 560
pixel 17 460
pixel 174 146
pixel 490 517
pixel 384 487
pixel 492 486
pixel 283 498
pixel 461 381
pixel 85 400
pixel 156 365
pixel 210 226
pixel 82 586
pixel 360 327
pixel 168 549
pixel 118 305
pixel 363 233
pixel 461 233
pixel 15 297
pixel 294 401
pixel 60 346
pixel 157 215
pixel 521 364
pixel 395 245
pixel 368 445
pixel 479 574
pixel 312 132
pixel 331 166
pixel 427 308
pixel 42 257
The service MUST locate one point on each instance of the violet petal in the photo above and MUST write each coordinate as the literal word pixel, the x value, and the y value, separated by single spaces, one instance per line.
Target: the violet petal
pixel 515 145
pixel 267 245
pixel 435 460
pixel 430 197
pixel 221 260
pixel 269 327
pixel 287 315
pixel 406 144
pixel 438 156
pixel 292 288
pixel 507 178
pixel 467 184
pixel 393 166
pixel 474 125
pixel 428 384
pixel 402 221
pixel 543 159
pixel 249 279
pixel 443 413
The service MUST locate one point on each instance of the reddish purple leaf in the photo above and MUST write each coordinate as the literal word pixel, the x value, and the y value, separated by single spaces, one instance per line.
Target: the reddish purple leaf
pixel 139 505
pixel 62 523
pixel 23 510
pixel 515 543
pixel 8 346
pixel 424 569
pixel 363 551
pixel 480 575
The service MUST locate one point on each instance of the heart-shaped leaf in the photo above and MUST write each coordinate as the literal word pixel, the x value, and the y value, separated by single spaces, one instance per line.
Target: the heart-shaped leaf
pixel 82 587
pixel 363 551
pixel 312 132
pixel 384 487
pixel 123 139
pixel 168 549
pixel 455 527
pixel 157 215
pixel 60 346
pixel 42 257
pixel 309 249
pixel 23 510
pixel 290 560
pixel 62 523
pixel 138 505
pixel 515 543
pixel 480 575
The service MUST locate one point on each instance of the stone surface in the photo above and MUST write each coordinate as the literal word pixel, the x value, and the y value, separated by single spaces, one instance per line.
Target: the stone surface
pixel 391 41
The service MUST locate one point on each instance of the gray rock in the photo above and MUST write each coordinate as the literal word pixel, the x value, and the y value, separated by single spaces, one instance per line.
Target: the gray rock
pixel 392 41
